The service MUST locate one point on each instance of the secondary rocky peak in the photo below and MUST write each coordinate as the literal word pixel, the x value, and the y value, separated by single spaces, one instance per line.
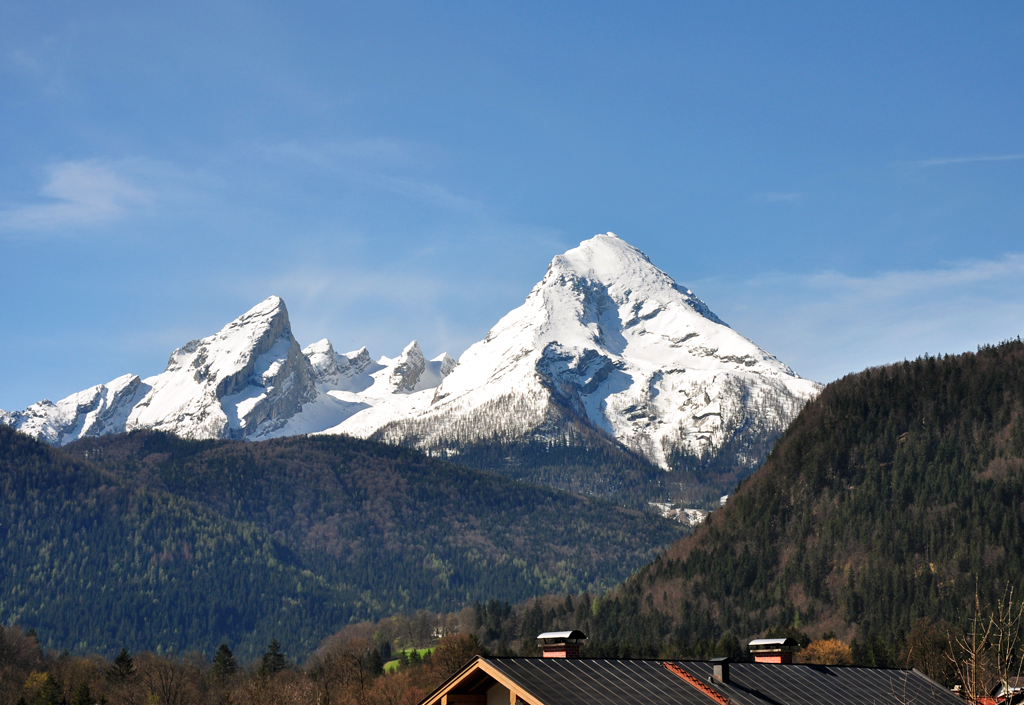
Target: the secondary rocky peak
pixel 101 409
pixel 407 369
pixel 323 359
pixel 247 378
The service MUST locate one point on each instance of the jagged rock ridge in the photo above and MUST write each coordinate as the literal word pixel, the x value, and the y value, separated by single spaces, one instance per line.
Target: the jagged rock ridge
pixel 248 381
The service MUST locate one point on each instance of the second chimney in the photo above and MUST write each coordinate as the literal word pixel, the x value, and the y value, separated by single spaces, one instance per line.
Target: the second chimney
pixel 773 650
pixel 561 644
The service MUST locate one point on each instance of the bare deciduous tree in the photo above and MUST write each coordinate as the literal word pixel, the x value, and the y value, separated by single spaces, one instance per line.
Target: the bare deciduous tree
pixel 989 652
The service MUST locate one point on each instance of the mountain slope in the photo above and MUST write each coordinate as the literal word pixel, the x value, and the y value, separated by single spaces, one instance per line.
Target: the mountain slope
pixel 96 563
pixel 893 496
pixel 147 539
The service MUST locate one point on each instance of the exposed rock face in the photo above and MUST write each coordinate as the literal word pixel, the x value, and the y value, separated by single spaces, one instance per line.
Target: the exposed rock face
pixel 92 412
pixel 407 369
pixel 249 378
pixel 412 372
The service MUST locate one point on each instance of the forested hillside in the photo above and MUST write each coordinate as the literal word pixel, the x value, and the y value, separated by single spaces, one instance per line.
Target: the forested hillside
pixel 893 496
pixel 581 461
pixel 148 541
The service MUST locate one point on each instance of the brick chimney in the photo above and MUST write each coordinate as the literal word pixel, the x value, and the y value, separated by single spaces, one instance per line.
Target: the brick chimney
pixel 773 650
pixel 561 644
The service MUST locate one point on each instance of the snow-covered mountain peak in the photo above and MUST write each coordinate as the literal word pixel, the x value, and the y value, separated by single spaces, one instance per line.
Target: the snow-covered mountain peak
pixel 609 337
pixel 229 350
pixel 607 259
pixel 622 272
pixel 247 378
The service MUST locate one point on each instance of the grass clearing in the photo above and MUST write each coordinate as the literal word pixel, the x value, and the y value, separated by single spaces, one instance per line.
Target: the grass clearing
pixel 393 663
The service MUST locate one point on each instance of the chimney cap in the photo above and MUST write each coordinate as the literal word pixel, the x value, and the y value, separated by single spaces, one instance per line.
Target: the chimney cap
pixel 771 644
pixel 570 636
pixel 722 659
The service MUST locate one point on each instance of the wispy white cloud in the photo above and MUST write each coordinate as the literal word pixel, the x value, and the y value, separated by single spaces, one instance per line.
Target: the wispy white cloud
pixel 95 192
pixel 827 324
pixel 342 286
pixel 76 193
pixel 356 306
pixel 775 197
pixel 434 194
pixel 943 161
pixel 42 64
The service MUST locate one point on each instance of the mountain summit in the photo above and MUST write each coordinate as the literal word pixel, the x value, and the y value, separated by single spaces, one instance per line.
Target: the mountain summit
pixel 609 340
pixel 244 381
pixel 607 351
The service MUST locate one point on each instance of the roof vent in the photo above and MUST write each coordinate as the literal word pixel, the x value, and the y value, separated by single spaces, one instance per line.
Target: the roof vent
pixel 773 650
pixel 721 666
pixel 561 644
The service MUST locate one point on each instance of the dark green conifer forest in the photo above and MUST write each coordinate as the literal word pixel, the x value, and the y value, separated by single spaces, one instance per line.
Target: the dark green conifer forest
pixel 150 542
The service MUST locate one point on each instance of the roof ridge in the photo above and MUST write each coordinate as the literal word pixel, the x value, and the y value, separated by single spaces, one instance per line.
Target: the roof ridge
pixel 696 682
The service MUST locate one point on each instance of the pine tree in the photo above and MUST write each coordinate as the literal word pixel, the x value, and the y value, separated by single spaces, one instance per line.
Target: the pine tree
pixel 49 693
pixel 82 696
pixel 122 668
pixel 273 660
pixel 224 663
pixel 376 662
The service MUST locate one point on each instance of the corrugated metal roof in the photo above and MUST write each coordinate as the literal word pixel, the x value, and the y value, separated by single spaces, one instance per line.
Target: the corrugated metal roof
pixel 556 681
pixel 642 682
pixel 805 684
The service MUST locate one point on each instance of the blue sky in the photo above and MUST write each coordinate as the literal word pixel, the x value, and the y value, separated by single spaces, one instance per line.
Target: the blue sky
pixel 843 185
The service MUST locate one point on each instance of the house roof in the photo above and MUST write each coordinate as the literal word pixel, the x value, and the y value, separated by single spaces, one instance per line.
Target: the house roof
pixel 558 681
pixel 803 684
